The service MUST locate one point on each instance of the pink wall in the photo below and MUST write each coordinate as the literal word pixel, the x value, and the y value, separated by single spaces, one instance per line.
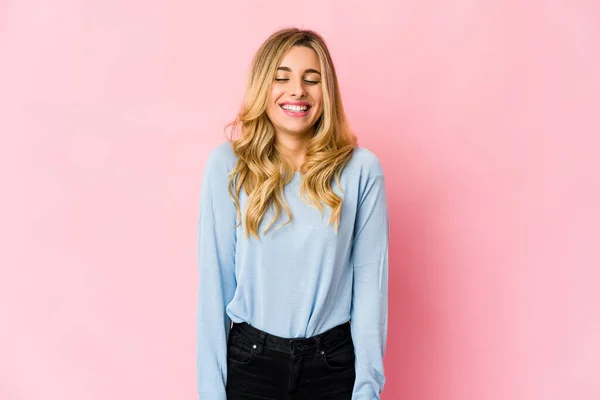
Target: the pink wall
pixel 485 117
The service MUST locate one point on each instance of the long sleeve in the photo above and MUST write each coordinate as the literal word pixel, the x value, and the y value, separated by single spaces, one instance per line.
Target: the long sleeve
pixel 217 283
pixel 370 288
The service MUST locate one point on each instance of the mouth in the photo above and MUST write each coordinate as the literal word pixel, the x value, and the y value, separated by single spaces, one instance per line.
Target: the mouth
pixel 295 109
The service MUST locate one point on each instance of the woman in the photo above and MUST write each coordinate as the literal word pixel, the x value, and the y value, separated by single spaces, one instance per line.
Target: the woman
pixel 298 310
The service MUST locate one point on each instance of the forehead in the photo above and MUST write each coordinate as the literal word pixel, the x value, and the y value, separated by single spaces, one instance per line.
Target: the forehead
pixel 300 58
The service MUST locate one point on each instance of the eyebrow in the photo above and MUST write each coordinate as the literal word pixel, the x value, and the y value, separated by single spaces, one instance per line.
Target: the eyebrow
pixel 308 71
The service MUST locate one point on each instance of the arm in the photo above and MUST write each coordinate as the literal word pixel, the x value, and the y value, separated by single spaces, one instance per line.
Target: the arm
pixel 216 261
pixel 370 289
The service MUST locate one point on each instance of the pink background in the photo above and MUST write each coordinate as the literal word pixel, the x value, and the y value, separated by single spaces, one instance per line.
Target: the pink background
pixel 483 113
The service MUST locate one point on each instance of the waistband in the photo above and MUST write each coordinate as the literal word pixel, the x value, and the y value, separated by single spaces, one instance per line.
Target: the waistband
pixel 294 346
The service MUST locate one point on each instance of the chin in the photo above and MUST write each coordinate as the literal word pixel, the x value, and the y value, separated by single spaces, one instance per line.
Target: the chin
pixel 298 132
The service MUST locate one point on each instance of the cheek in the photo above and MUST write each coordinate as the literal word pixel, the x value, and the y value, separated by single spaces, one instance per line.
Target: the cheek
pixel 320 107
pixel 271 112
pixel 275 94
pixel 272 102
pixel 318 97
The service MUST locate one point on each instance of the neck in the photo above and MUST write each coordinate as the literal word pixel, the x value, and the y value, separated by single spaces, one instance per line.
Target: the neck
pixel 293 148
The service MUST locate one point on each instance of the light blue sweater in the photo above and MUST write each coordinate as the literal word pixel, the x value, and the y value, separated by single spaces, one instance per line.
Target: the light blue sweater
pixel 298 280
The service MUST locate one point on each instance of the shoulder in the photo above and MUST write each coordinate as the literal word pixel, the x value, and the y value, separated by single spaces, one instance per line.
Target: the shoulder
pixel 221 159
pixel 364 162
pixel 223 153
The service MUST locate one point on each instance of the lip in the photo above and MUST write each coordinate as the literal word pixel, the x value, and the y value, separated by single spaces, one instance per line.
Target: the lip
pixel 295 103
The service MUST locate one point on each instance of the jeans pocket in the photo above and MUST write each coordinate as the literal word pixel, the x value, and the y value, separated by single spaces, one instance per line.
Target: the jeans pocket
pixel 339 356
pixel 239 351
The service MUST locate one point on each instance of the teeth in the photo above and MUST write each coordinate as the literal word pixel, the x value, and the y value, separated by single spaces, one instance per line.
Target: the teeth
pixel 294 108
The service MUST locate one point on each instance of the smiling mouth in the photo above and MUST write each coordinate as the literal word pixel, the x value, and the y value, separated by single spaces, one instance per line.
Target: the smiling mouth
pixel 295 109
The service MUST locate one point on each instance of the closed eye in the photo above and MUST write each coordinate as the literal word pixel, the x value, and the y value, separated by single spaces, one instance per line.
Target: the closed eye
pixel 307 81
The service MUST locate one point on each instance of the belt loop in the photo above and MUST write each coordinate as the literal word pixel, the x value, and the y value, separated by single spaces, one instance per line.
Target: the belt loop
pixel 318 343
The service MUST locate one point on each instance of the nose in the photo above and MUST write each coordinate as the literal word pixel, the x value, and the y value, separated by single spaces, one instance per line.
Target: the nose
pixel 297 88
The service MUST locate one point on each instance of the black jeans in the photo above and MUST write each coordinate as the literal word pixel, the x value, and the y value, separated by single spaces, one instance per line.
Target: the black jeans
pixel 267 367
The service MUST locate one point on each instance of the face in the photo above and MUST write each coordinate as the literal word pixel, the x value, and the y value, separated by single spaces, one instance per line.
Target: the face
pixel 296 99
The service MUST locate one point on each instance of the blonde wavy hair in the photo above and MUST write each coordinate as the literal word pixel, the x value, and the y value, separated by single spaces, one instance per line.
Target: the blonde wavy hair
pixel 261 168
